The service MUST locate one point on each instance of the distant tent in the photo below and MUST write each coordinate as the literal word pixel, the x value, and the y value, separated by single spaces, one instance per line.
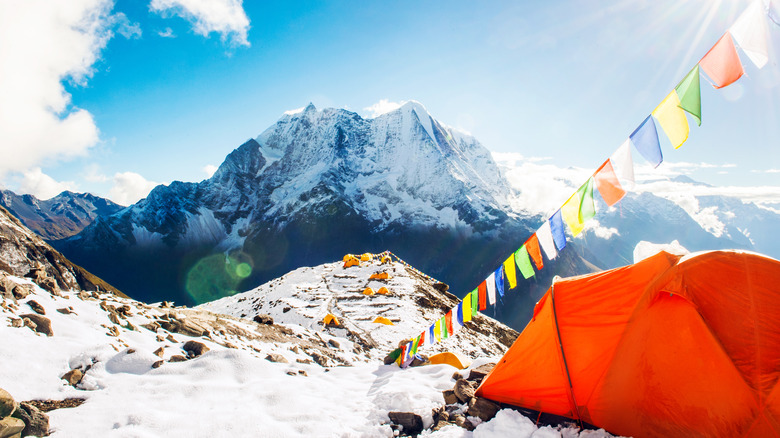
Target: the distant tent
pixel 386 259
pixel 670 346
pixel 368 291
pixel 458 361
pixel 346 257
pixel 331 320
pixel 379 276
pixel 367 257
pixel 383 320
pixel 350 261
pixel 382 291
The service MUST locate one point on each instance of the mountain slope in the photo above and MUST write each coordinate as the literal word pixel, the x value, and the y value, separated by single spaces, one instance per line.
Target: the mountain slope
pixel 59 217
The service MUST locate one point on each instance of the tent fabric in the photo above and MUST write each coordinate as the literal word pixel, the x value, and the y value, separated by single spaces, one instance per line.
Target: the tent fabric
pixel 366 257
pixel 379 276
pixel 350 260
pixel 458 361
pixel 382 291
pixel 331 319
pixel 382 320
pixel 368 291
pixel 670 346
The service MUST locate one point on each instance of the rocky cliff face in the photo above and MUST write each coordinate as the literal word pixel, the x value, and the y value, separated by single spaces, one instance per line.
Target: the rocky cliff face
pixel 59 217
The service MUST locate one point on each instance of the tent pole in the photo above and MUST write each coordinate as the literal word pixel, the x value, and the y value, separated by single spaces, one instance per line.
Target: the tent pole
pixel 563 355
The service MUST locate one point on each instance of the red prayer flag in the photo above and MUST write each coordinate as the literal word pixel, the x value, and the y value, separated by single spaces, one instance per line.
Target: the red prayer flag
pixel 448 319
pixel 532 246
pixel 721 63
pixel 608 185
pixel 422 339
pixel 482 296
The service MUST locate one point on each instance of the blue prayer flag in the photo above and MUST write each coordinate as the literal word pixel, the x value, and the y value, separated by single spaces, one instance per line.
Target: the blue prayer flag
pixel 556 227
pixel 645 140
pixel 500 281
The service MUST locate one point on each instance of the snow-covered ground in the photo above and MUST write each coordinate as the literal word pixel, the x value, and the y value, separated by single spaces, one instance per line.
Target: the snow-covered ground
pixel 232 389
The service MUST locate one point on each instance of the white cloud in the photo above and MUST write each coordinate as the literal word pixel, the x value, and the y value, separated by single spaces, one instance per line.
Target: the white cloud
pixel 43 44
pixel 382 107
pixel 130 187
pixel 167 33
pixel 225 17
pixel 125 27
pixel 42 186
pixel 210 169
pixel 92 173
pixel 603 232
pixel 766 171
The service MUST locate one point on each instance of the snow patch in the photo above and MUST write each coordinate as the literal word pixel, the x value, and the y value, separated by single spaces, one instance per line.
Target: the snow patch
pixel 144 237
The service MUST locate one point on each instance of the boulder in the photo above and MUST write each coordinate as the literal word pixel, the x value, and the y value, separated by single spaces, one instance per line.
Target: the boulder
pixel 482 408
pixel 183 326
pixel 464 390
pixel 334 343
pixel 449 397
pixel 263 319
pixel 479 373
pixel 7 404
pixel 20 291
pixel 66 310
pixel 195 348
pixel 11 427
pixel 177 358
pixel 73 377
pixel 46 283
pixel 42 323
pixel 36 422
pixel 159 352
pixel 273 357
pixel 36 307
pixel 152 326
pixel 17 322
pixel 158 364
pixel 462 421
pixel 410 422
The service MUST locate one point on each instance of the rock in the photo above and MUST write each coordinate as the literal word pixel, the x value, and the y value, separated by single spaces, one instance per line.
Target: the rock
pixel 36 422
pixel 320 359
pixel 159 352
pixel 419 360
pixel 152 326
pixel 304 361
pixel 263 319
pixel 160 338
pixel 170 338
pixel 46 283
pixel 278 358
pixel 11 427
pixel 449 397
pixel 29 323
pixel 464 390
pixel 177 358
pixel 482 408
pixel 66 310
pixel 303 373
pixel 73 377
pixel 17 322
pixel 130 351
pixel 20 291
pixel 410 422
pixel 7 404
pixel 158 364
pixel 195 348
pixel 441 424
pixel 183 326
pixel 292 373
pixel 113 331
pixel 479 373
pixel 114 317
pixel 334 343
pixel 462 421
pixel 37 308
pixel 441 287
pixel 42 323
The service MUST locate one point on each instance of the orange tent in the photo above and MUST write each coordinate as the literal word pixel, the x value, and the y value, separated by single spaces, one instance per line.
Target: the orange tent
pixel 382 291
pixel 351 261
pixel 379 276
pixel 368 291
pixel 670 346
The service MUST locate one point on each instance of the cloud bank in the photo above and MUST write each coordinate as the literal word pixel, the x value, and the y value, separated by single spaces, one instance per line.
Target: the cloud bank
pixel 224 17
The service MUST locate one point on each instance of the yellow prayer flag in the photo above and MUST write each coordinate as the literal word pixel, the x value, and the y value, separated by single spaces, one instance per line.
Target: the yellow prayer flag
pixel 437 330
pixel 466 308
pixel 509 271
pixel 571 215
pixel 672 119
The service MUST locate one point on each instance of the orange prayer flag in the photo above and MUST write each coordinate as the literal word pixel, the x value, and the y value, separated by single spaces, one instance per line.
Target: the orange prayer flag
pixel 482 296
pixel 722 63
pixel 608 185
pixel 532 245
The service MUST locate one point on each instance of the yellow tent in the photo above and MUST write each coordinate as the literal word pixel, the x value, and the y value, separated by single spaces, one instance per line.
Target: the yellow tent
pixel 379 276
pixel 368 291
pixel 347 257
pixel 367 257
pixel 383 291
pixel 330 319
pixel 449 358
pixel 383 320
pixel 351 261
pixel 386 259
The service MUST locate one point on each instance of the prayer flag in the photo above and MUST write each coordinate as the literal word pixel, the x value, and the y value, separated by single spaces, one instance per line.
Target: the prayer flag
pixel 459 312
pixel 415 345
pixel 490 282
pixel 432 338
pixel 474 302
pixel 623 165
pixel 482 296
pixel 672 119
pixel 437 330
pixel 499 274
pixel 532 246
pixel 448 323
pixel 467 307
pixel 721 63
pixel 408 353
pixel 751 32
pixel 422 339
pixel 401 356
pixel 556 228
pixel 645 140
pixel 544 234
pixel 571 214
pixel 689 93
pixel 509 270
pixel 524 262
pixel 587 206
pixel 395 354
pixel 608 185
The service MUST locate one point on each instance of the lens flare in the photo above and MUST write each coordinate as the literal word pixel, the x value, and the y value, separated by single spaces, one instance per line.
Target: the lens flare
pixel 218 275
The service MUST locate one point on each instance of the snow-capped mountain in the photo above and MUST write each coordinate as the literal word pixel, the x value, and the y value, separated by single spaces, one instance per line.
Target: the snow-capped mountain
pixel 312 187
pixel 59 217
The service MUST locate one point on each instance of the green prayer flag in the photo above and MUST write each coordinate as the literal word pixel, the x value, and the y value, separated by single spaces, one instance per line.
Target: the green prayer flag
pixel 587 207
pixel 395 354
pixel 444 333
pixel 523 262
pixel 689 93
pixel 475 301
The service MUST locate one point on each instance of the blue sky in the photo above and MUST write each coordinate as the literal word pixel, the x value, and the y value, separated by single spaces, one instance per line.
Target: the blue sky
pixel 172 86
